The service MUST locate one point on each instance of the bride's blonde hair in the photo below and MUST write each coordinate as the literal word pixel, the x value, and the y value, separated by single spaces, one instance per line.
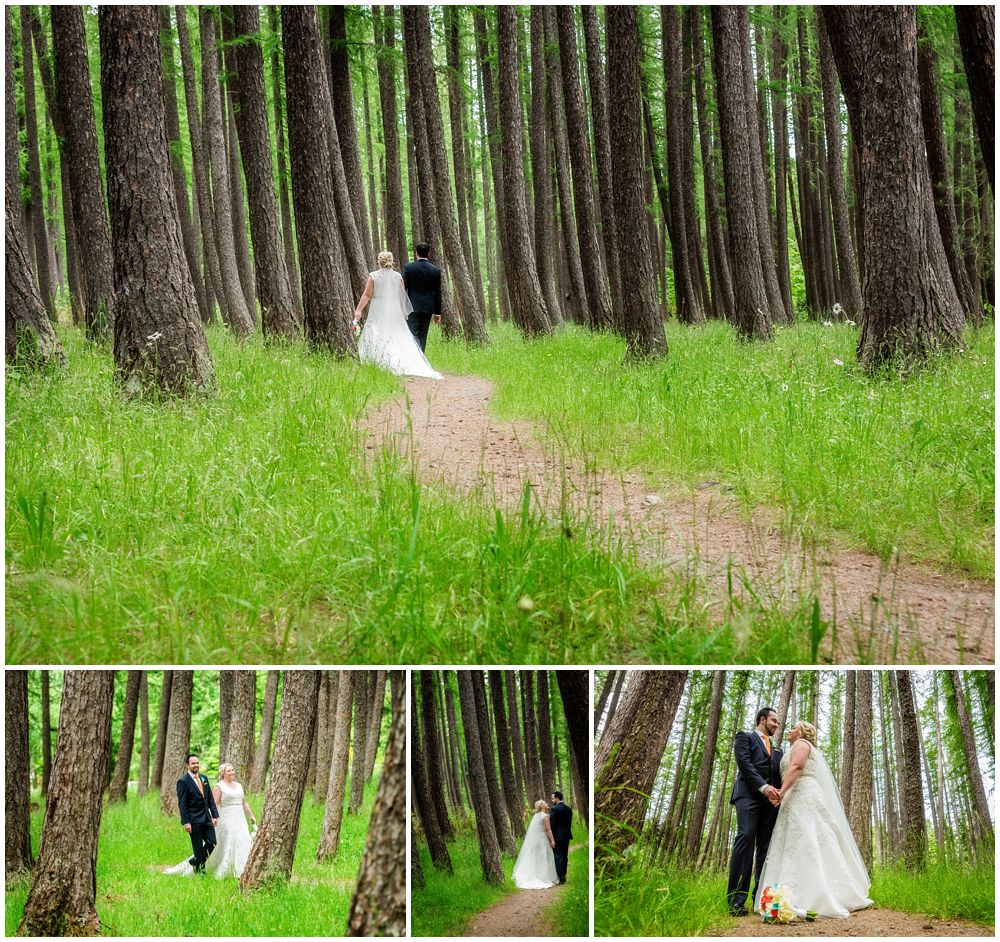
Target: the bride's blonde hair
pixel 807 730
pixel 223 767
pixel 539 804
pixel 385 260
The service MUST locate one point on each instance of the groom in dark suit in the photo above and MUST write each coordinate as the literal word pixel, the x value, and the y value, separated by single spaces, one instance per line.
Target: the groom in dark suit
pixel 423 286
pixel 560 820
pixel 199 815
pixel 755 796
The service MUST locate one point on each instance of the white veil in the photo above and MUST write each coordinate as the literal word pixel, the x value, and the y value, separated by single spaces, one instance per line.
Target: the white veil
pixel 535 868
pixel 831 795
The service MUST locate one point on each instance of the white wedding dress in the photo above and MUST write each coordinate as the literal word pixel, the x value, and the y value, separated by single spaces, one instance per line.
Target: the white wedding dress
pixel 230 854
pixel 535 868
pixel 813 852
pixel 386 339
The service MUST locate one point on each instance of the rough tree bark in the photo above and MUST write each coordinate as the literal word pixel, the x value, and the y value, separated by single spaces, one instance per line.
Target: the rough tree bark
pixel 262 752
pixel 432 752
pixel 333 814
pixel 505 834
pixel 123 762
pixel 696 820
pixel 159 344
pixel 976 29
pixel 574 689
pixel 508 779
pixel 911 797
pixel 143 786
pixel 162 718
pixel 62 898
pixel 17 773
pixel 177 739
pixel 357 797
pixel 241 730
pixel 980 804
pixel 273 848
pixel 379 904
pixel 395 226
pixel 326 292
pixel 432 820
pixel 642 326
pixel 377 701
pixel 862 783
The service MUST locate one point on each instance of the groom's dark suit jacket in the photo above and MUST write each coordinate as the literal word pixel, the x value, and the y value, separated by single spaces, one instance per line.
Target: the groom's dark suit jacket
pixel 754 767
pixel 561 821
pixel 194 807
pixel 423 285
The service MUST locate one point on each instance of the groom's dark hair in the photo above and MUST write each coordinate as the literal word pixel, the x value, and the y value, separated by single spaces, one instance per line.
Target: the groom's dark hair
pixel 422 249
pixel 557 796
pixel 189 756
pixel 762 713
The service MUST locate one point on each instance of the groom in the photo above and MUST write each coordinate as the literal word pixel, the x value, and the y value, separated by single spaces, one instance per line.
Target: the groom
pixel 560 820
pixel 423 286
pixel 199 815
pixel 755 795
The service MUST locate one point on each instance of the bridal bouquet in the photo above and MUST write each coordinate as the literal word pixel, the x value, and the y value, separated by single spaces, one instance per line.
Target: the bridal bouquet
pixel 776 904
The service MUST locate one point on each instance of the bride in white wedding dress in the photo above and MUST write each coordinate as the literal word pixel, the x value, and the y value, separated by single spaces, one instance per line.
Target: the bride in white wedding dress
pixel 230 854
pixel 386 339
pixel 813 853
pixel 535 868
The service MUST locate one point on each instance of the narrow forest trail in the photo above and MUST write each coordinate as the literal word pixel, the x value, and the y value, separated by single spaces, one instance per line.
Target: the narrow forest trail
pixel 889 613
pixel 522 913
pixel 868 922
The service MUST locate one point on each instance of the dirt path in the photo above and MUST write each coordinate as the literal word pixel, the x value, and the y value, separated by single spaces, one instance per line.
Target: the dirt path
pixel 524 913
pixel 887 612
pixel 868 922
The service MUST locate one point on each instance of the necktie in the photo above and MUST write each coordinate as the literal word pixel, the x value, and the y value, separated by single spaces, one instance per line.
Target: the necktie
pixel 767 744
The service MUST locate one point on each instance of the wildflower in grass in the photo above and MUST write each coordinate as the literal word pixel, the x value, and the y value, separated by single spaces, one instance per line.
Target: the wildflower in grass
pixel 837 361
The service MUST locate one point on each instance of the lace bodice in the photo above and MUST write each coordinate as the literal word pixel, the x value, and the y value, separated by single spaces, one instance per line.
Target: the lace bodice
pixel 809 769
pixel 380 278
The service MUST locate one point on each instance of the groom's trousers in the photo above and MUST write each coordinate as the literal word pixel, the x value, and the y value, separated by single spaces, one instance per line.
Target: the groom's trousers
pixel 755 819
pixel 203 841
pixel 419 323
pixel 561 854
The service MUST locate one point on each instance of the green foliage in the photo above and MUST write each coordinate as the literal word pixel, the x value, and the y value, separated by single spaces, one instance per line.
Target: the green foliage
pixel 571 913
pixel 890 464
pixel 135 899
pixel 943 890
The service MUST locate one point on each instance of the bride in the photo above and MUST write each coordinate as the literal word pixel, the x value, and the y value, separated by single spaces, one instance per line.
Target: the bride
pixel 813 852
pixel 230 854
pixel 386 339
pixel 535 868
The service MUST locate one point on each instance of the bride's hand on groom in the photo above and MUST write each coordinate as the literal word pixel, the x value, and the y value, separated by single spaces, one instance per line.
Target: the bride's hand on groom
pixel 437 318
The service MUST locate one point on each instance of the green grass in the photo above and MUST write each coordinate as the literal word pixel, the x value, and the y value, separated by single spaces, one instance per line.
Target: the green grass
pixel 886 463
pixel 249 527
pixel 448 901
pixel 672 901
pixel 135 899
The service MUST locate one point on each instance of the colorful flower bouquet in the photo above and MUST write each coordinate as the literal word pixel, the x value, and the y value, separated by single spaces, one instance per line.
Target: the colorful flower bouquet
pixel 776 904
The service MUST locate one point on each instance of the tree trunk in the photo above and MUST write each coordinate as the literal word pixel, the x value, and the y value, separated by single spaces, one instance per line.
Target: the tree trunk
pixel 598 295
pixel 427 795
pixel 163 715
pixel 333 814
pixel 513 796
pixel 143 786
pixel 126 740
pixel 62 898
pixel 160 346
pixel 225 712
pixel 177 172
pixel 273 848
pixel 577 300
pixel 326 289
pixel 262 753
pixel 40 236
pixel 545 753
pixel 751 314
pixel 696 822
pixel 847 762
pixel 574 690
pixel 505 833
pixel 619 683
pixel 779 105
pixel 200 168
pixel 473 324
pixel 395 226
pixel 912 799
pixel 531 752
pixel 347 129
pixel 642 327
pixel 862 787
pixel 688 300
pixel 373 214
pixel 177 739
pixel 910 305
pixel 374 722
pixel 602 700
pixel 976 28
pixel 46 733
pixel 379 904
pixel 787 688
pixel 279 317
pixel 241 731
pixel 980 803
pixel 516 739
pixel 432 753
pixel 937 164
pixel 630 752
pixel 90 221
pixel 489 847
pixel 17 775
pixel 325 728
pixel 360 737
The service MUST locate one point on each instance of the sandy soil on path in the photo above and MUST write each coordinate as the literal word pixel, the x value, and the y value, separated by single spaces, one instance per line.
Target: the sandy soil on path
pixel 524 913
pixel 868 922
pixel 889 612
